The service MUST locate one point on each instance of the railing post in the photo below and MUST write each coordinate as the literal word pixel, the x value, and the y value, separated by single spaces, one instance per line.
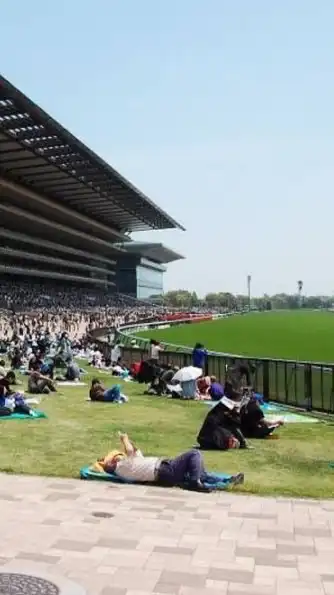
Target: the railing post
pixel 266 380
pixel 308 387
pixel 331 405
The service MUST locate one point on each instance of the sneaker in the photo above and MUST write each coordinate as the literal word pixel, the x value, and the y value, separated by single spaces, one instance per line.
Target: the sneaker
pixel 238 479
pixel 198 486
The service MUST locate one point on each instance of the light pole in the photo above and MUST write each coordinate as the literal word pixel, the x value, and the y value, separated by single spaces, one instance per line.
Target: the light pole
pixel 249 281
pixel 300 285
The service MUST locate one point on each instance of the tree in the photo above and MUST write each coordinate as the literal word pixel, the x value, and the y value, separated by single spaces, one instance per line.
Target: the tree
pixel 242 301
pixel 315 302
pixel 211 300
pixel 261 303
pixel 194 299
pixel 181 298
pixel 226 301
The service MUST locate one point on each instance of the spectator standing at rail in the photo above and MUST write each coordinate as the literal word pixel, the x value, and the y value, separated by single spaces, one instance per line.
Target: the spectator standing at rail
pixel 238 377
pixel 199 356
pixel 154 352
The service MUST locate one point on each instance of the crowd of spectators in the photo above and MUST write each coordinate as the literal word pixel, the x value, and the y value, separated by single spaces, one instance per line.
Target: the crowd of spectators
pixel 33 308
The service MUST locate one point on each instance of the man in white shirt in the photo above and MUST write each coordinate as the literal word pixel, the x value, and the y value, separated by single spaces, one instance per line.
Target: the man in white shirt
pixel 154 351
pixel 186 469
pixel 115 354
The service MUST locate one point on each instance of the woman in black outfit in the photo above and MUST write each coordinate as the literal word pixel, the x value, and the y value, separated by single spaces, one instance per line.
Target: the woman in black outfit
pixel 221 429
pixel 253 422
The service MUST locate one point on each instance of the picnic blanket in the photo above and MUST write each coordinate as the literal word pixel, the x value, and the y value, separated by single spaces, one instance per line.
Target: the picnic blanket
pixel 36 415
pixel 217 481
pixel 293 418
pixel 274 410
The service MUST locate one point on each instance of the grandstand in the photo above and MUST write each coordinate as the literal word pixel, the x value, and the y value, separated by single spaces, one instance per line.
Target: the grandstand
pixel 65 214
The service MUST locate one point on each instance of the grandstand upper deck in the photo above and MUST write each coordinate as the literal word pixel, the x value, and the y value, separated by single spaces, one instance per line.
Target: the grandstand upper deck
pixel 38 154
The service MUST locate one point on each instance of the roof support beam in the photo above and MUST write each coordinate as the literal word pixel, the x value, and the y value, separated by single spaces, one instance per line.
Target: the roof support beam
pixel 52 275
pixel 25 123
pixel 60 262
pixel 47 223
pixel 40 201
pixel 36 241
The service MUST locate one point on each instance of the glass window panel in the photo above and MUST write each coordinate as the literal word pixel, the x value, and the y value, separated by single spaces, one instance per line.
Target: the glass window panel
pixel 149 277
pixel 144 292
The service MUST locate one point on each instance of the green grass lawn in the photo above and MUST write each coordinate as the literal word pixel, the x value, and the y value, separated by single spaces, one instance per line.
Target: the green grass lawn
pixel 295 335
pixel 77 432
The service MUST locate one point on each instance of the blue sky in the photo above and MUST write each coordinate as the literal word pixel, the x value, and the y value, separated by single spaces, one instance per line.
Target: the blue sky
pixel 220 110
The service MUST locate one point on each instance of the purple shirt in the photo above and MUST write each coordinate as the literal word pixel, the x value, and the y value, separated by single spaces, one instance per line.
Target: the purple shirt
pixel 216 391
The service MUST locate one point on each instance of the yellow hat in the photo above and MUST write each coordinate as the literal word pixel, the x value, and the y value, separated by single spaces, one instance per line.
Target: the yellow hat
pixel 112 455
pixel 98 466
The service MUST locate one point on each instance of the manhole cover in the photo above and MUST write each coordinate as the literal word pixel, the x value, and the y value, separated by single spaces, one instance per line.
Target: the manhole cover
pixel 101 515
pixel 24 584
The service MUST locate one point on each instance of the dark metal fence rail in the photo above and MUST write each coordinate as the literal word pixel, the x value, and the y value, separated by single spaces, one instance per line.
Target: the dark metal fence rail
pixel 307 385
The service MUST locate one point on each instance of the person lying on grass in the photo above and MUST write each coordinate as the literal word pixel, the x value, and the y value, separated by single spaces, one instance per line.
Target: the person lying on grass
pixel 98 392
pixel 186 470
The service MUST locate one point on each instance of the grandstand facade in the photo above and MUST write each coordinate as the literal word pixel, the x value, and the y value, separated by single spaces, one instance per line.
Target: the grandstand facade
pixel 65 214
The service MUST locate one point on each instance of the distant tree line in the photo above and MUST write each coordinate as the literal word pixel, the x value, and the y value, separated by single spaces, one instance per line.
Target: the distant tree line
pixel 182 298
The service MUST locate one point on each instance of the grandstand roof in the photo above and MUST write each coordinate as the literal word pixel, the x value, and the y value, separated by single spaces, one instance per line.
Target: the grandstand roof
pixel 37 152
pixel 152 251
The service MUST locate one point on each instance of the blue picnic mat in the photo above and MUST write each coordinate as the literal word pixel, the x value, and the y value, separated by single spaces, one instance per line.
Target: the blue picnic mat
pixel 271 407
pixel 37 415
pixel 224 479
pixel 272 410
pixel 264 406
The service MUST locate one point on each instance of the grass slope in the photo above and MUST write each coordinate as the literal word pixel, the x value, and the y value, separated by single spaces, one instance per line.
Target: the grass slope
pixel 77 432
pixel 296 335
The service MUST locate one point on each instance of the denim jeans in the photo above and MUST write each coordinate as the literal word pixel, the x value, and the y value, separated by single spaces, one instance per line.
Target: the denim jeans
pixel 189 389
pixel 113 393
pixel 186 467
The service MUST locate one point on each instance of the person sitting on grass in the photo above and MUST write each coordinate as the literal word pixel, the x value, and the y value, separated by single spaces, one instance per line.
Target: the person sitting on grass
pixel 16 360
pixel 98 392
pixel 221 428
pixel 35 361
pixel 160 383
pixel 9 380
pixel 72 373
pixel 186 470
pixel 10 401
pixel 2 368
pixel 38 383
pixel 253 422
pixel 216 390
pixel 203 387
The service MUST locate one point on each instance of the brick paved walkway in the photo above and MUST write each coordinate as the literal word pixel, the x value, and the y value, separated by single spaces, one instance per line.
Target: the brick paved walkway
pixel 165 541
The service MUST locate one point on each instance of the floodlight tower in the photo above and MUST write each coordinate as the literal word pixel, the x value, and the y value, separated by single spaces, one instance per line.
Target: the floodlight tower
pixel 249 281
pixel 300 285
